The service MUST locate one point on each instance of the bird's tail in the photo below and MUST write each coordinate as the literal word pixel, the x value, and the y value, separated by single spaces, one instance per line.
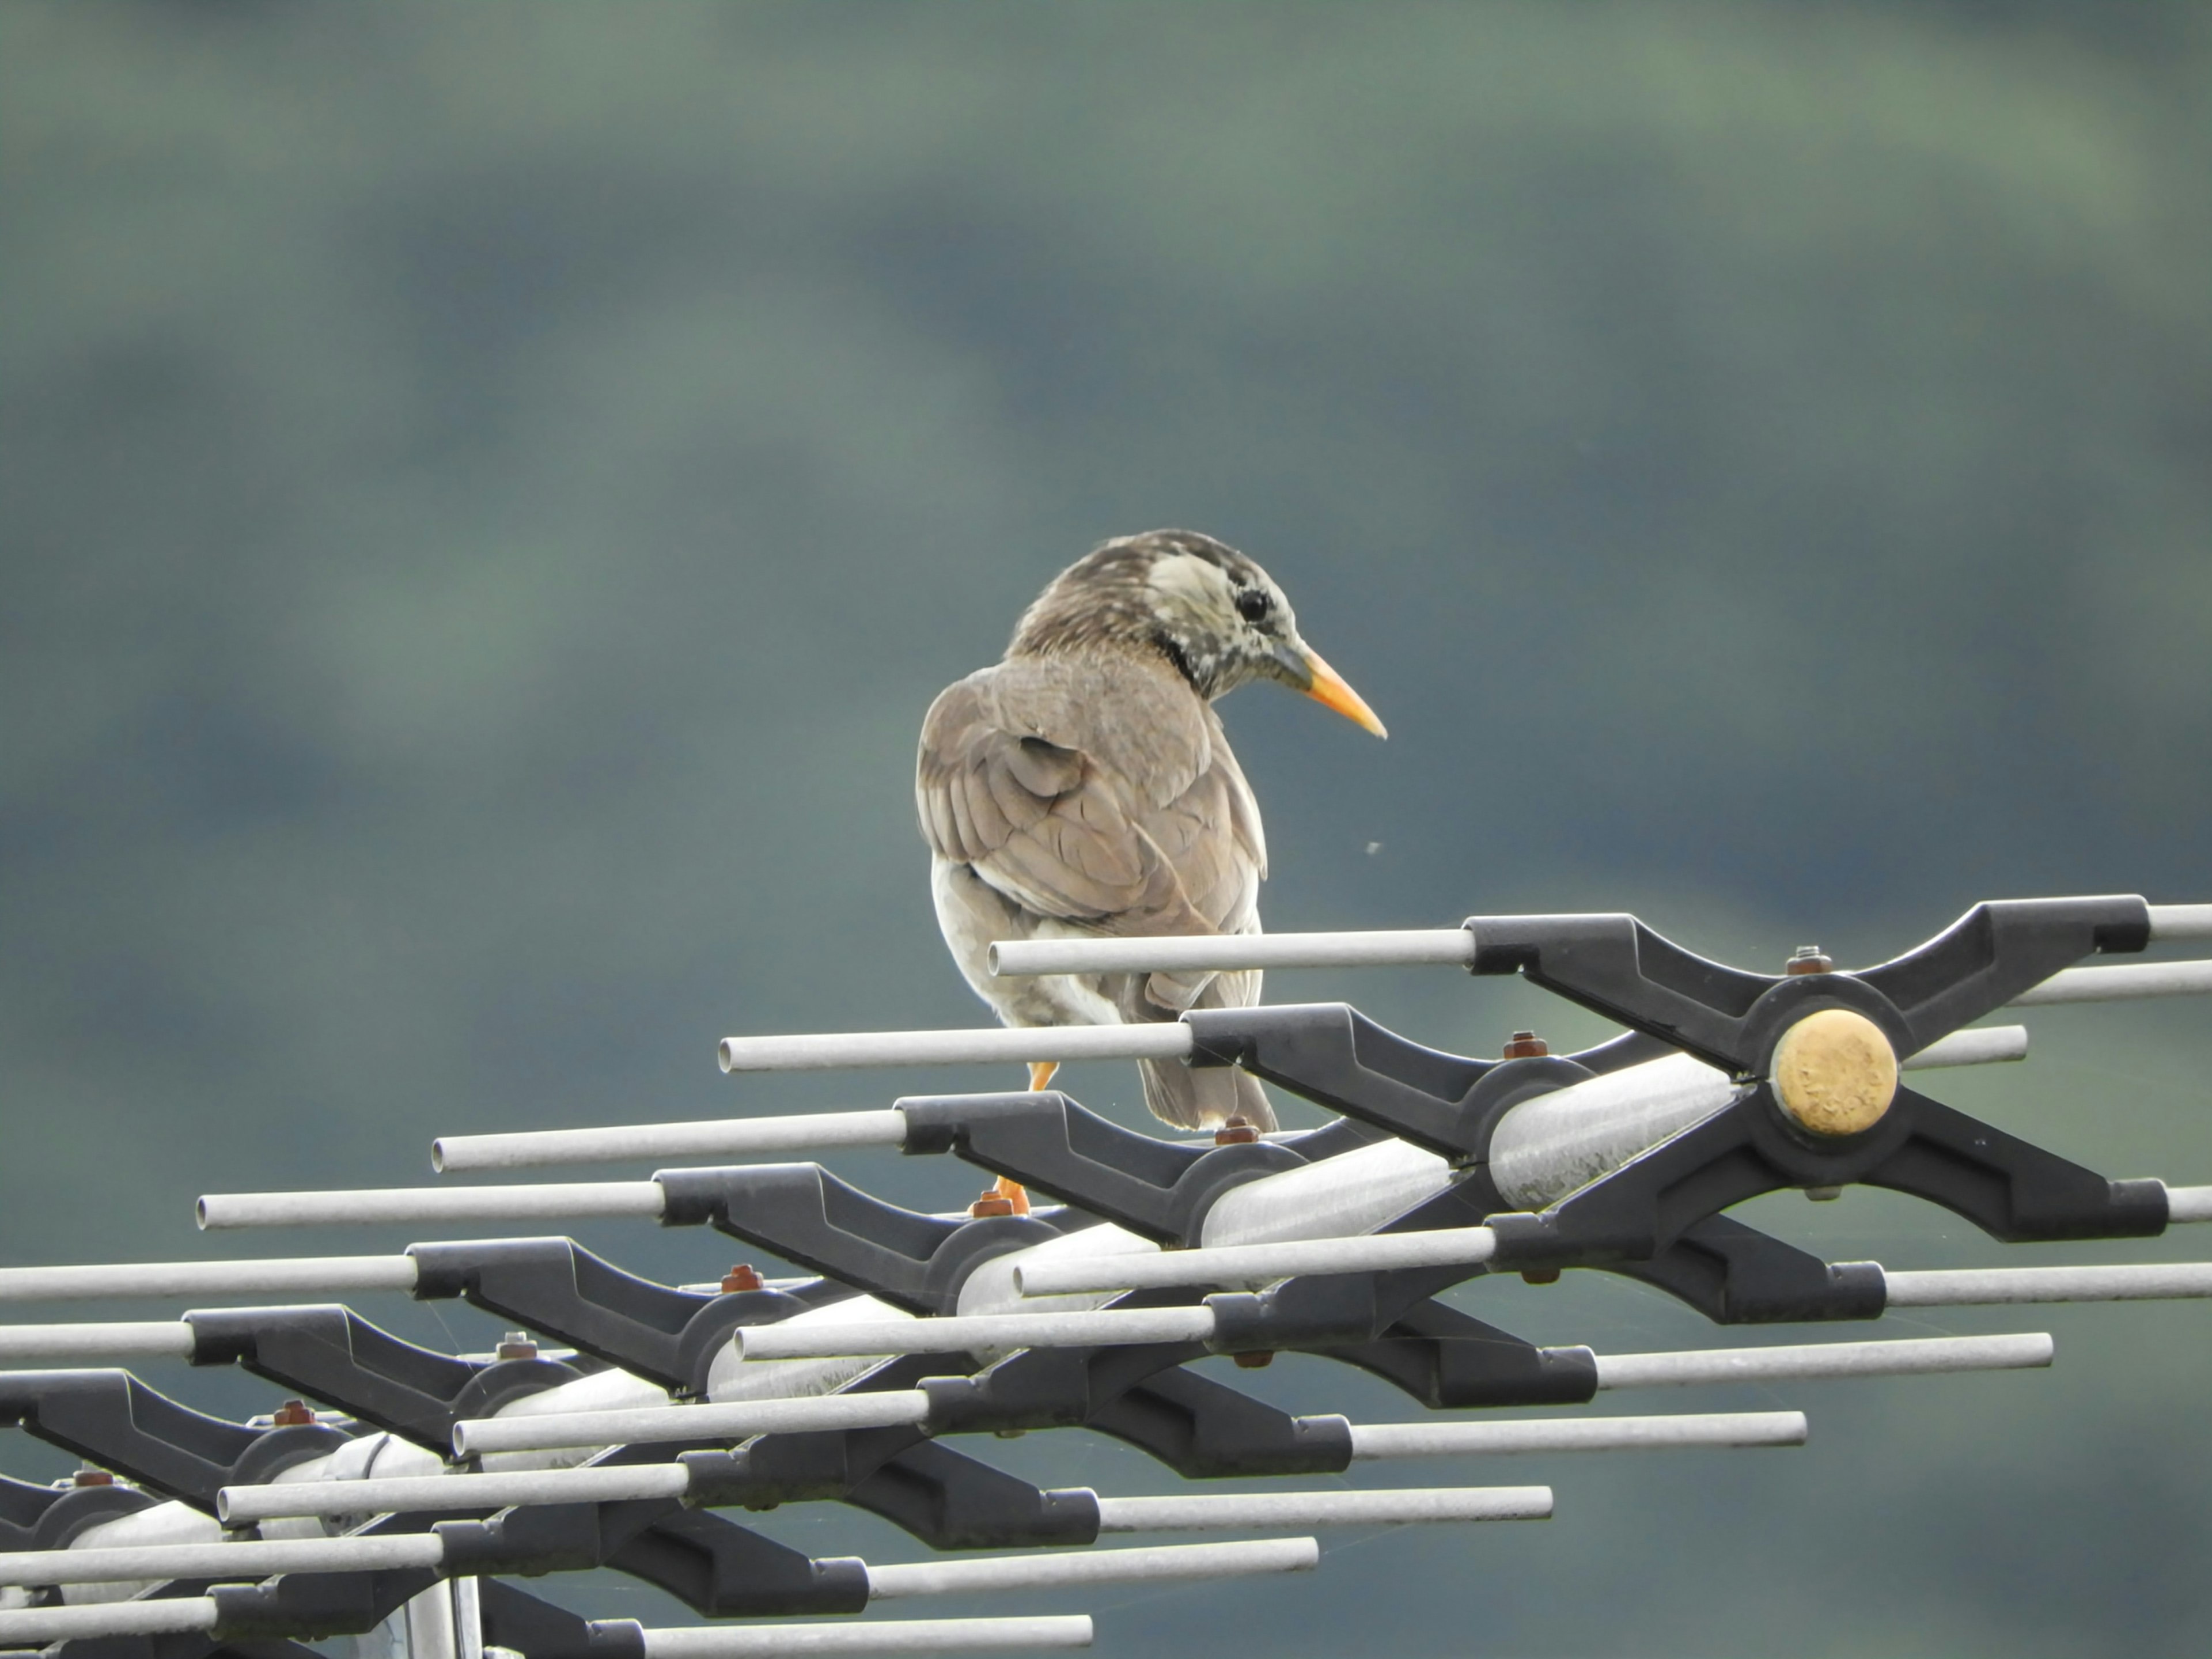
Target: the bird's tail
pixel 1205 1099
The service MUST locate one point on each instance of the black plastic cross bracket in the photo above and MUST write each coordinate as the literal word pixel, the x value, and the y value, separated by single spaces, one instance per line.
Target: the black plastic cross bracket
pixel 945 1498
pixel 1617 967
pixel 804 1214
pixel 2012 1190
pixel 34 1518
pixel 518 1620
pixel 1331 1054
pixel 712 1565
pixel 111 1419
pixel 332 1354
pixel 1159 1189
pixel 559 1289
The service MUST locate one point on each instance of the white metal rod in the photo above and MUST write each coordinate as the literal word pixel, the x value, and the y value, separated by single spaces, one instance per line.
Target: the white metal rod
pixel 980 1333
pixel 1093 1566
pixel 1979 1045
pixel 167 1339
pixel 1576 1434
pixel 983 1046
pixel 868 1636
pixel 1227 952
pixel 2122 983
pixel 309 1274
pixel 440 1203
pixel 735 1421
pixel 1234 1511
pixel 2188 1204
pixel 1961 1287
pixel 733 1136
pixel 1240 1264
pixel 234 1506
pixel 35 1627
pixel 2171 923
pixel 1818 1360
pixel 230 1563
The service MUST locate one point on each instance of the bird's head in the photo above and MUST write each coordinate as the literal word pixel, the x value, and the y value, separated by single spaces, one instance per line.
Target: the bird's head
pixel 1213 613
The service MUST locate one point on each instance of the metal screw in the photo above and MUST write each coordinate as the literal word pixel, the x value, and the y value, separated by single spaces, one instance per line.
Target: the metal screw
pixel 743 1277
pixel 1824 1194
pixel 1807 959
pixel 992 1203
pixel 1257 1361
pixel 1541 1275
pixel 292 1414
pixel 92 1478
pixel 516 1345
pixel 1237 1132
pixel 1527 1045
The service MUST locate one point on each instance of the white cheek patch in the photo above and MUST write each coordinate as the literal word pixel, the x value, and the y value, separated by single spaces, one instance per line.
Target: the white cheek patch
pixel 1184 587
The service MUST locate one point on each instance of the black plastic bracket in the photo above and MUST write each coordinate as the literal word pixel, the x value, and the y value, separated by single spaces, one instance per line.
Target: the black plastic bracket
pixel 804 1214
pixel 332 1354
pixel 111 1419
pixel 559 1289
pixel 34 1518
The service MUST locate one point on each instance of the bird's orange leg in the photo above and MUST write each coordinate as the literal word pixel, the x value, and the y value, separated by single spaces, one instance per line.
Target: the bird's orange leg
pixel 1013 1192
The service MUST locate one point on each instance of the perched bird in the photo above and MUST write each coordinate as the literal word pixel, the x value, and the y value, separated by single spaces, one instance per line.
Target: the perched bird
pixel 1083 786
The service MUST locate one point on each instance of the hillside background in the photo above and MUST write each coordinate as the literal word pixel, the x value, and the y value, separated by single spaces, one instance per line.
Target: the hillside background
pixel 490 492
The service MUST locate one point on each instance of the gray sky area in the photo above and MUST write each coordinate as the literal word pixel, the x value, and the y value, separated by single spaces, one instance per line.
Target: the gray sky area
pixel 490 491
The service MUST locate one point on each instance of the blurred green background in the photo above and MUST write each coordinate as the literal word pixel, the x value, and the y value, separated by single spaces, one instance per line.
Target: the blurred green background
pixel 489 492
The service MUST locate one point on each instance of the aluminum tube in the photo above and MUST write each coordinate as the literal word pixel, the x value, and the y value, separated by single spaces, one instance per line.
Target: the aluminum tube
pixel 1548 1147
pixel 1963 1287
pixel 983 1332
pixel 1817 1360
pixel 1233 1511
pixel 1980 1045
pixel 167 1338
pixel 1228 952
pixel 1576 1434
pixel 224 1563
pixel 984 1045
pixel 555 1201
pixel 868 1636
pixel 1355 1192
pixel 35 1627
pixel 1094 1566
pixel 737 1421
pixel 2122 983
pixel 2188 1204
pixel 1245 1264
pixel 729 1137
pixel 312 1275
pixel 2172 922
pixel 236 1504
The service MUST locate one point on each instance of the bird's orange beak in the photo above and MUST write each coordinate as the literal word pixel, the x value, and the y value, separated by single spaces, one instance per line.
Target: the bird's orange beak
pixel 1329 689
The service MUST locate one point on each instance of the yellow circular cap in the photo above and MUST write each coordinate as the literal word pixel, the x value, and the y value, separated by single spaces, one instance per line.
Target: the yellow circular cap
pixel 1835 1073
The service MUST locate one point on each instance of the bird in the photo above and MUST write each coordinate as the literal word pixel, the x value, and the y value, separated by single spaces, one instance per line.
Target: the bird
pixel 1083 786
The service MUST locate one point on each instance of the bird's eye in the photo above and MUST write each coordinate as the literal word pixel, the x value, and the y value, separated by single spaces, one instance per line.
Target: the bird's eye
pixel 1254 604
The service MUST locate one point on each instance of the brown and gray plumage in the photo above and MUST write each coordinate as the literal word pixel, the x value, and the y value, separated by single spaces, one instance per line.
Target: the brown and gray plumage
pixel 1083 786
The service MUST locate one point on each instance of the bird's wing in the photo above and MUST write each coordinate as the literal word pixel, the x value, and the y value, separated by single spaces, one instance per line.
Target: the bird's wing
pixel 1098 792
pixel 1041 822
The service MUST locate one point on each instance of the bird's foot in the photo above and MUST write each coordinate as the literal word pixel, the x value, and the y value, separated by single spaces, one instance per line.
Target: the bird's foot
pixel 1041 1072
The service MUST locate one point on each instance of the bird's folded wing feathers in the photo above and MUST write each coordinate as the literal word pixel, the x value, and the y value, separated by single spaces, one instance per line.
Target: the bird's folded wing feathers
pixel 1065 835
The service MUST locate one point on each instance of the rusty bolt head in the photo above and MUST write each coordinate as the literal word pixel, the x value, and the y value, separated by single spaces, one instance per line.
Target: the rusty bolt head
pixel 1541 1275
pixel 92 1478
pixel 743 1277
pixel 990 1203
pixel 1527 1045
pixel 1807 959
pixel 516 1345
pixel 1237 1132
pixel 1258 1361
pixel 292 1414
